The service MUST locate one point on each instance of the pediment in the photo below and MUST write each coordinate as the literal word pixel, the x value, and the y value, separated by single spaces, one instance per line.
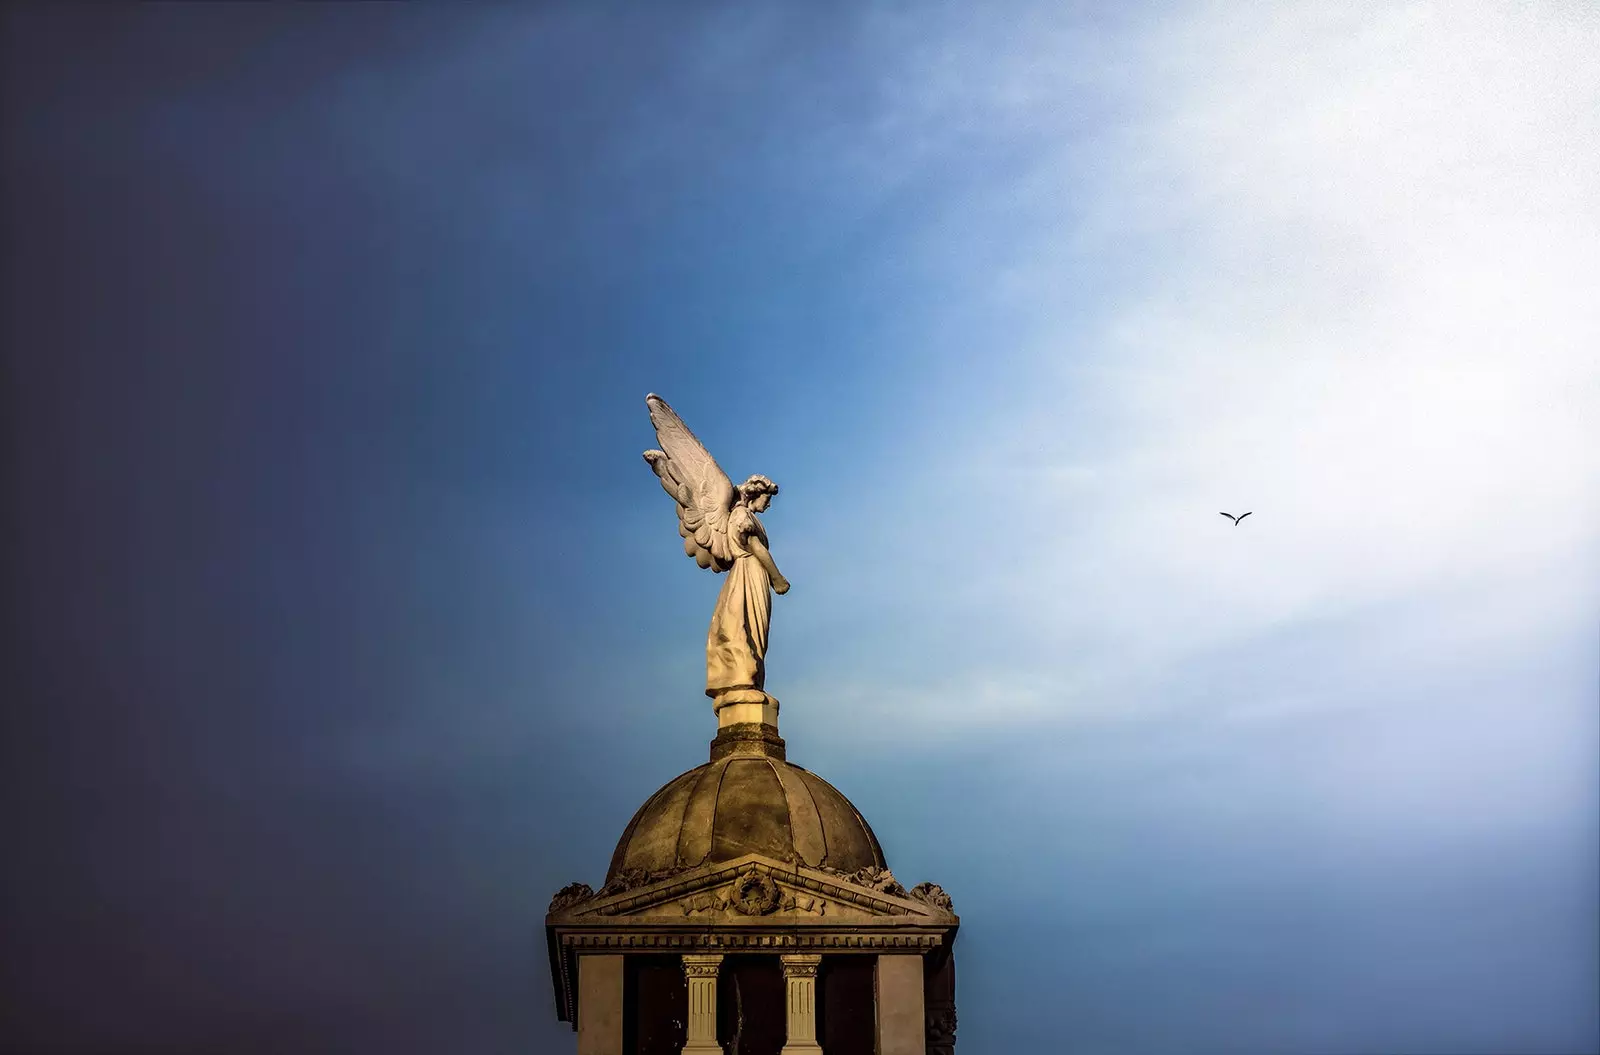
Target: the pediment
pixel 754 903
pixel 755 890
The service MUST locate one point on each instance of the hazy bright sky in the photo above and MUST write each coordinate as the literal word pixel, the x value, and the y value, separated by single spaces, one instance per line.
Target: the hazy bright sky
pixel 351 625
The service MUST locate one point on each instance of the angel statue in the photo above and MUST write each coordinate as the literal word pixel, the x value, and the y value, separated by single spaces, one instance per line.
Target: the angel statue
pixel 720 531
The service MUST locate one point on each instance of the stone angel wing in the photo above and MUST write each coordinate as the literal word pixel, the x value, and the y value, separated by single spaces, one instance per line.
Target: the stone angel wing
pixel 697 483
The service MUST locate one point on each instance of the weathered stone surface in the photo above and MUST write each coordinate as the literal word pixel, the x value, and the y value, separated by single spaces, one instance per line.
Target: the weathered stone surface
pixel 571 894
pixel 880 879
pixel 753 889
pixel 939 996
pixel 901 1019
pixel 700 971
pixel 600 1004
pixel 752 905
pixel 748 738
pixel 934 895
pixel 742 804
pixel 800 979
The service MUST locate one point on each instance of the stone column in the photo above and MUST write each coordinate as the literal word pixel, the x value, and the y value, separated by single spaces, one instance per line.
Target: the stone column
pixel 899 999
pixel 800 983
pixel 599 1004
pixel 701 972
pixel 939 994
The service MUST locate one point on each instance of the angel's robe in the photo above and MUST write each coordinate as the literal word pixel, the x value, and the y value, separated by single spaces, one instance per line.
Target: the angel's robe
pixel 736 647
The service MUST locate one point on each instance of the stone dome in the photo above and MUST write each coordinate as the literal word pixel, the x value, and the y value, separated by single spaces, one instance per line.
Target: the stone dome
pixel 746 801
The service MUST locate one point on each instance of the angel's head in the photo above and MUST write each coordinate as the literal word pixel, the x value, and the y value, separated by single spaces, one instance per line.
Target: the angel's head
pixel 757 493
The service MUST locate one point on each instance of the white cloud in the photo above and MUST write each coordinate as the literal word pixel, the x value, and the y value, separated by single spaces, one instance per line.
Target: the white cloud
pixel 1362 245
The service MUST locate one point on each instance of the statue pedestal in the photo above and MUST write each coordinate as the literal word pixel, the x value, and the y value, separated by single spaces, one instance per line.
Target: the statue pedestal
pixel 751 739
pixel 743 706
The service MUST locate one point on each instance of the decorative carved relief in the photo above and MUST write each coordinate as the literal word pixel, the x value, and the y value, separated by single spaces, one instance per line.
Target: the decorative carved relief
pixel 626 879
pixel 633 878
pixel 880 880
pixel 811 906
pixel 716 902
pixel 755 894
pixel 755 890
pixel 701 966
pixel 941 1030
pixel 850 938
pixel 570 895
pixel 933 894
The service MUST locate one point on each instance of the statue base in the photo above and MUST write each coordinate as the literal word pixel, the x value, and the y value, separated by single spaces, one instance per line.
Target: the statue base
pixel 744 706
pixel 752 739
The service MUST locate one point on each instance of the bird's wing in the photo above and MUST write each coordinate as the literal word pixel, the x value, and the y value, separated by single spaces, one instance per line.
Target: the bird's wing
pixel 1241 517
pixel 696 482
pixel 1231 517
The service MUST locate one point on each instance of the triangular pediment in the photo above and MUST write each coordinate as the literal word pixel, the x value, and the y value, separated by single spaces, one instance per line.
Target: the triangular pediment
pixel 754 903
pixel 757 890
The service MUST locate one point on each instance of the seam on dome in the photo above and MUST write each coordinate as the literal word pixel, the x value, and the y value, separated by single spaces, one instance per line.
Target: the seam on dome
pixel 826 846
pixel 788 814
pixel 816 811
pixel 716 797
pixel 883 862
pixel 866 829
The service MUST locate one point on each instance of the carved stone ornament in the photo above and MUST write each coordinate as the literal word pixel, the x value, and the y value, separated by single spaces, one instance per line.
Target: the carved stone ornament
pixel 714 902
pixel 848 936
pixel 879 879
pixel 570 895
pixel 933 894
pixel 941 1026
pixel 717 902
pixel 755 894
pixel 702 966
pixel 632 879
pixel 811 906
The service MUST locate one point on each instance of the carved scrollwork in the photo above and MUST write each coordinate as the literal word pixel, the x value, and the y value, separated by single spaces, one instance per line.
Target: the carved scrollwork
pixel 701 966
pixel 941 1026
pixel 632 879
pixel 719 901
pixel 878 879
pixel 570 895
pixel 714 902
pixel 933 894
pixel 625 880
pixel 811 906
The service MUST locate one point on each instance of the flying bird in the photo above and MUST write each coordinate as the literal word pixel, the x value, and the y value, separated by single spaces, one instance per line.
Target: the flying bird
pixel 1236 519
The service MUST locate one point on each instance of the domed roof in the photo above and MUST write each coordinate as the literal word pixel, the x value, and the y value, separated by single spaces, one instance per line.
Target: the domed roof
pixel 743 803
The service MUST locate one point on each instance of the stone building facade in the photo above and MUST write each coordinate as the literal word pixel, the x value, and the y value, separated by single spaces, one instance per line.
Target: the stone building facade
pixel 748 910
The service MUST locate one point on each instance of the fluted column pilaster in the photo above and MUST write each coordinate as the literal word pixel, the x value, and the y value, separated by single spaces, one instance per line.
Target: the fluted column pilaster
pixel 700 971
pixel 800 985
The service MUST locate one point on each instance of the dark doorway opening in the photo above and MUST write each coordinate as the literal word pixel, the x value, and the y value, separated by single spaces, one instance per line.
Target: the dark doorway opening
pixel 751 1012
pixel 846 1019
pixel 655 999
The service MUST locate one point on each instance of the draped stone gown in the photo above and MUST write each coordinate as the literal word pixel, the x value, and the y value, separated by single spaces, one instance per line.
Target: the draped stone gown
pixel 736 647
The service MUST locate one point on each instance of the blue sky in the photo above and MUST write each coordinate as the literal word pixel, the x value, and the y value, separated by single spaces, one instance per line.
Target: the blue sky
pixel 353 625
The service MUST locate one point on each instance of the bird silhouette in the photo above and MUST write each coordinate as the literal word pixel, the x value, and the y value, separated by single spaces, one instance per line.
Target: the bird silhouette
pixel 1236 519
